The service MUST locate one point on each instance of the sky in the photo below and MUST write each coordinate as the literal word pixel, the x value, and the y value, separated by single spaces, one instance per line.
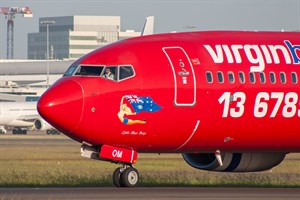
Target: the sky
pixel 170 15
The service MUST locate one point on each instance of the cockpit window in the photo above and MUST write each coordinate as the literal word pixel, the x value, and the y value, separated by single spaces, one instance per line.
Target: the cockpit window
pixel 110 73
pixel 118 73
pixel 84 70
pixel 114 73
pixel 70 71
pixel 89 70
pixel 125 72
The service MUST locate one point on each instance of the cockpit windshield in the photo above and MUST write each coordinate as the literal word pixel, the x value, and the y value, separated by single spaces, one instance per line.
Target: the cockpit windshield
pixel 125 72
pixel 70 71
pixel 84 70
pixel 114 73
pixel 110 73
pixel 89 70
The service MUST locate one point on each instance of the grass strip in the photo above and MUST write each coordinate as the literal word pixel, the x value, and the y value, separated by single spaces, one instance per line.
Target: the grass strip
pixel 54 161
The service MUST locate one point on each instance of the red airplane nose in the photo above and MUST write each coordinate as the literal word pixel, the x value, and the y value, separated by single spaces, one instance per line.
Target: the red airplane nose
pixel 62 105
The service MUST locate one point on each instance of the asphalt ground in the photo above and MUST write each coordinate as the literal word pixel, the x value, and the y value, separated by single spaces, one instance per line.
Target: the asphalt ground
pixel 165 193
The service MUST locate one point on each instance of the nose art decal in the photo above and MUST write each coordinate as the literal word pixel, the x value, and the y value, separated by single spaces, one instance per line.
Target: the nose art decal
pixel 137 104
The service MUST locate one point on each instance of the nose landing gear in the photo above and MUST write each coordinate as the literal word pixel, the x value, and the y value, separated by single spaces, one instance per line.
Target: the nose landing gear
pixel 126 176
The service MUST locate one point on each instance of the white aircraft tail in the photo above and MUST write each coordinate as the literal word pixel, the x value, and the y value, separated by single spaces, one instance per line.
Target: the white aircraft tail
pixel 148 26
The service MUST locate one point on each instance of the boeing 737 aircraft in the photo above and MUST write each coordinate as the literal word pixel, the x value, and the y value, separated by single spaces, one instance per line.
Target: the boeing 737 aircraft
pixel 226 100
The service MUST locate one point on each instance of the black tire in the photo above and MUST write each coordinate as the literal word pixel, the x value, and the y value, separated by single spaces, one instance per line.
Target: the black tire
pixel 117 177
pixel 19 131
pixel 130 177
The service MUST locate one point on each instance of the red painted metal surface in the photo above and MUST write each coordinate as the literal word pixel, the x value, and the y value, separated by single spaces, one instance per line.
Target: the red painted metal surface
pixel 118 154
pixel 223 116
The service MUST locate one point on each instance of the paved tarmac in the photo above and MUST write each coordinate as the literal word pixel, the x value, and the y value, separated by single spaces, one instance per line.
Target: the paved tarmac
pixel 165 193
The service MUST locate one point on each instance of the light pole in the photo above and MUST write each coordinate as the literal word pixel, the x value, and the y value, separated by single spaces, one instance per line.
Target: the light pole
pixel 47 23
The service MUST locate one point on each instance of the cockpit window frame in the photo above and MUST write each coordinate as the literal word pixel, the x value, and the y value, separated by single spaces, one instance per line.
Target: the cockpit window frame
pixel 89 75
pixel 79 67
pixel 116 72
pixel 74 67
pixel 133 75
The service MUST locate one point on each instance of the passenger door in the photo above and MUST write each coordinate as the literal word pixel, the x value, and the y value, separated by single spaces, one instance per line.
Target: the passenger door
pixel 184 76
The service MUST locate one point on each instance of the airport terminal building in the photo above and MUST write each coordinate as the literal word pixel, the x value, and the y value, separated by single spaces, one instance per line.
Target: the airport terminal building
pixel 71 37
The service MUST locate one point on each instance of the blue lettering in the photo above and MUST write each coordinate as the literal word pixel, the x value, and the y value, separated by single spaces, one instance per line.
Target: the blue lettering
pixel 293 49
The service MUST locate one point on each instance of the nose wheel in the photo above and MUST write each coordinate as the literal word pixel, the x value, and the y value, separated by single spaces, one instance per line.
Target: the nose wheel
pixel 125 177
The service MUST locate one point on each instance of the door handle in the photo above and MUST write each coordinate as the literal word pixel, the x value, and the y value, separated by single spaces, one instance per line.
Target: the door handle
pixel 183 73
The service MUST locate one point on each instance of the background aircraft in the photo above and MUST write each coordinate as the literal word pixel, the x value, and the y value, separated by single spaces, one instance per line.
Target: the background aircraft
pixel 21 116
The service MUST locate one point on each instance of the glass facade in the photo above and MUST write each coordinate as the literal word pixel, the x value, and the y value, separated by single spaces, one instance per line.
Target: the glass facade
pixel 58 45
pixel 73 36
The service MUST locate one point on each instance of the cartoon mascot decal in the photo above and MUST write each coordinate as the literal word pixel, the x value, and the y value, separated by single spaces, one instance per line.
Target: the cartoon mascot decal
pixel 139 104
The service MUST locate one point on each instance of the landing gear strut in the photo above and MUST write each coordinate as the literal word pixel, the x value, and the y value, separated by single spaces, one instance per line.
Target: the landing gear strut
pixel 126 176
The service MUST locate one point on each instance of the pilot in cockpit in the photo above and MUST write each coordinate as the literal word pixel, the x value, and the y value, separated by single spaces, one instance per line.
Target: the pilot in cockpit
pixel 108 74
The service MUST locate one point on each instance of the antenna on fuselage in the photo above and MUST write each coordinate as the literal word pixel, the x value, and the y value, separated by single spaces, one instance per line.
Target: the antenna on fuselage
pixel 148 26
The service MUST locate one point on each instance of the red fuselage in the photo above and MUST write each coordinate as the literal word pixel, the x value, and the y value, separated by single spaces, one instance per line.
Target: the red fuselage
pixel 184 92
